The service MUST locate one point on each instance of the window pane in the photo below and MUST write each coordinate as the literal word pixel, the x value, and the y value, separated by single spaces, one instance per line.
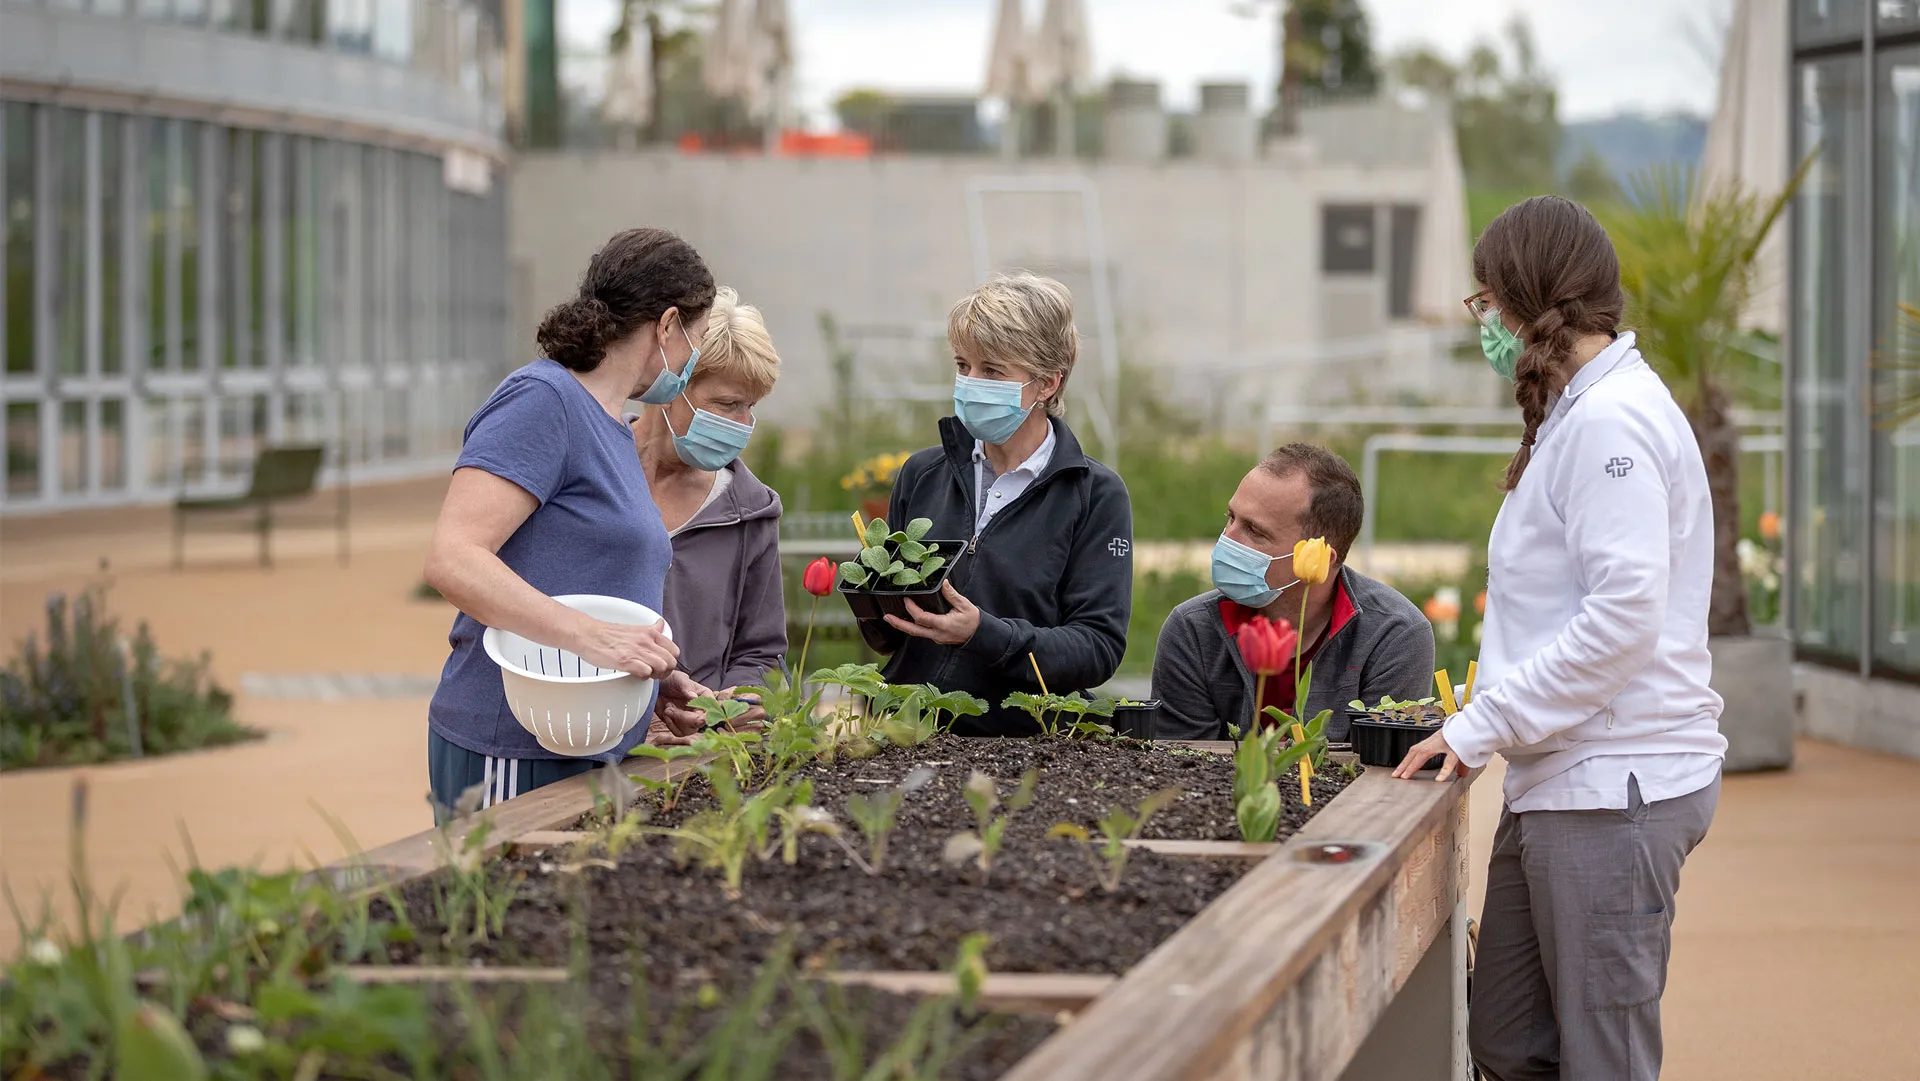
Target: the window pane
pixel 163 447
pixel 75 449
pixel 1829 354
pixel 113 261
pixel 1346 239
pixel 255 250
pixel 236 220
pixel 187 209
pixel 157 211
pixel 19 204
pixel 1897 322
pixel 1817 21
pixel 70 241
pixel 1899 14
pixel 113 444
pixel 23 449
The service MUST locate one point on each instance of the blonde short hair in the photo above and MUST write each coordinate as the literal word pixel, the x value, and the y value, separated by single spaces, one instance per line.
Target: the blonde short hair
pixel 736 343
pixel 1021 319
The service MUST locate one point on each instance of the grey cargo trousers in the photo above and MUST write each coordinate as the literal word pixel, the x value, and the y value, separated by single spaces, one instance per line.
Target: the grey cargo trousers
pixel 1574 939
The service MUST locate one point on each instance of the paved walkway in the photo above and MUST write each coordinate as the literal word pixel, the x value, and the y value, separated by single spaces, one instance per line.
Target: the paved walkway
pixel 1796 952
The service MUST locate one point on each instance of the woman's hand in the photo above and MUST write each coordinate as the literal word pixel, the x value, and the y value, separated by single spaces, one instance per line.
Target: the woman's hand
pixel 646 652
pixel 954 628
pixel 661 734
pixel 681 719
pixel 1425 749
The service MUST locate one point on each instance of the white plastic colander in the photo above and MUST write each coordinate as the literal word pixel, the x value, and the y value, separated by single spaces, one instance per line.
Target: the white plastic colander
pixel 571 706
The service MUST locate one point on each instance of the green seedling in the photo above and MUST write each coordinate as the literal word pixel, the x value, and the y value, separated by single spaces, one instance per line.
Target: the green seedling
pixel 900 559
pixel 1117 827
pixel 863 679
pixel 721 712
pixel 1048 710
pixel 670 787
pixel 780 696
pixel 735 749
pixel 1256 795
pixel 875 814
pixel 790 742
pixel 970 969
pixel 1422 711
pixel 1316 732
pixel 726 836
pixel 472 903
pixel 983 844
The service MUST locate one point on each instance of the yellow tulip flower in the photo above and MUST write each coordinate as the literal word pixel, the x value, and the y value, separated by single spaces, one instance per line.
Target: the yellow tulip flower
pixel 1312 561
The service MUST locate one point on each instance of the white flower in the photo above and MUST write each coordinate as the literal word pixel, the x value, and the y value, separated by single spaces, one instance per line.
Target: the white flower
pixel 245 1040
pixel 44 952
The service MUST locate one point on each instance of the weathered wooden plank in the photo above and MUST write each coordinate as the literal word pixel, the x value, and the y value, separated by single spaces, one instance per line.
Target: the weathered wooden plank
pixel 1284 975
pixel 1214 746
pixel 537 839
pixel 449 974
pixel 1210 850
pixel 1040 993
pixel 554 806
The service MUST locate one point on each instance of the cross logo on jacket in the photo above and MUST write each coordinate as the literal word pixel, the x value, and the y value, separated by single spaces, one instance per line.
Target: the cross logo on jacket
pixel 1618 467
pixel 1119 546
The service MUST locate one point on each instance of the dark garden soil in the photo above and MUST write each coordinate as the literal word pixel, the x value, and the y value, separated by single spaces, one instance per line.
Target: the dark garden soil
pixel 1043 904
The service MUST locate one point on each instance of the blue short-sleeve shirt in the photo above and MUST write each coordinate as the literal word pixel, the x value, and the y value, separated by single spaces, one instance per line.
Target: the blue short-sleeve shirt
pixel 596 530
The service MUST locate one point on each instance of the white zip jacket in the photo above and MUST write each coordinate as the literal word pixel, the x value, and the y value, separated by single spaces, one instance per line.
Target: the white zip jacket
pixel 1600 570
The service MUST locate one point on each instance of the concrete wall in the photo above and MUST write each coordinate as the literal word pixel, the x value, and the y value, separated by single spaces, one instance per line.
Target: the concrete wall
pixel 1876 714
pixel 1208 262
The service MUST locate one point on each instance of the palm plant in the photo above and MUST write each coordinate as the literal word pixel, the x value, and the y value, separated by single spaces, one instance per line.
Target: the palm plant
pixel 1898 403
pixel 1688 263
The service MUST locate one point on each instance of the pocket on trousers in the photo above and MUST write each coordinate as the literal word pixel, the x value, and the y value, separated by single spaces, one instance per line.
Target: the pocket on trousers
pixel 1626 963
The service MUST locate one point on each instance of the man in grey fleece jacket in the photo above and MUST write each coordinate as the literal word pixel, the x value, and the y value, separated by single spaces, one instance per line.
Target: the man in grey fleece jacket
pixel 1362 638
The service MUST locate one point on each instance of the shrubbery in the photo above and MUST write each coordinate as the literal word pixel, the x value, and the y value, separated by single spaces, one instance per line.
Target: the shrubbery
pixel 63 697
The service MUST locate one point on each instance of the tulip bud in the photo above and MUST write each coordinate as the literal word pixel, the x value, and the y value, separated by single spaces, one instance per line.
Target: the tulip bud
pixel 818 579
pixel 1312 561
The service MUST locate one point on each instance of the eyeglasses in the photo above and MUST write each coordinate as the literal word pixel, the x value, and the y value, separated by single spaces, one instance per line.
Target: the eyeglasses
pixel 1480 306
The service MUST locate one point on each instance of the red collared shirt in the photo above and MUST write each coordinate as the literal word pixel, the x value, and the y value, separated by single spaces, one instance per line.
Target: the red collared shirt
pixel 1280 687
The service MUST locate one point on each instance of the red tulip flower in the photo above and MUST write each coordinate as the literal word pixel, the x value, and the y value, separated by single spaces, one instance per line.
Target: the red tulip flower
pixel 1265 645
pixel 818 579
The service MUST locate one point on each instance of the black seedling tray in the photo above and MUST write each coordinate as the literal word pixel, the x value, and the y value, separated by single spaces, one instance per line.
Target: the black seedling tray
pixel 1136 721
pixel 1381 742
pixel 872 604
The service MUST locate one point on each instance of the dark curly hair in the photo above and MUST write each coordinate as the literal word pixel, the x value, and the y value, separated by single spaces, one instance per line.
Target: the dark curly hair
pixel 630 282
pixel 1552 267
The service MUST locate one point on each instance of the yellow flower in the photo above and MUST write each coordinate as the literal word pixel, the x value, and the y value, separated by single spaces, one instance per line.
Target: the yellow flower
pixel 1312 561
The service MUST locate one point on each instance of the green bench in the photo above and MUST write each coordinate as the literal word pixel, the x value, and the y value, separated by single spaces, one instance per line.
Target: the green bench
pixel 280 474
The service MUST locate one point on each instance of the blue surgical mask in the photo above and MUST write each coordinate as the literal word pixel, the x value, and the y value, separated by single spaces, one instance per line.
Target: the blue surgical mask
pixel 668 385
pixel 1501 346
pixel 711 442
pixel 990 408
pixel 1240 572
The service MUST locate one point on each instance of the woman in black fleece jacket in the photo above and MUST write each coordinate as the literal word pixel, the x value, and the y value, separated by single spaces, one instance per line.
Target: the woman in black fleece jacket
pixel 1048 568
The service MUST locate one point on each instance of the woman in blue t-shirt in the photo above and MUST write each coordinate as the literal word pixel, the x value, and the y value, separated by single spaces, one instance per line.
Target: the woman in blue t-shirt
pixel 548 498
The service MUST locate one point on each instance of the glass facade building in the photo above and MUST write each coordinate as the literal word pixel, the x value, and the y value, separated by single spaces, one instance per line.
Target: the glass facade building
pixel 1854 434
pixel 187 279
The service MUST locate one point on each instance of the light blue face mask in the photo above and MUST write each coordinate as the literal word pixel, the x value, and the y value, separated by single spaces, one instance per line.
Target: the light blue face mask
pixel 989 408
pixel 711 441
pixel 1240 572
pixel 667 385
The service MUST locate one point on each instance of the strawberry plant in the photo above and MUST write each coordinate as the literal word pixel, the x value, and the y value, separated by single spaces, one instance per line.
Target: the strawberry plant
pixel 899 559
pixel 1117 827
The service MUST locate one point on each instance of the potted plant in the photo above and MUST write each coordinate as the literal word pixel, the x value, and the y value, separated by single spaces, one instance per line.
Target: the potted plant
pixel 1384 732
pixel 895 566
pixel 1688 262
pixel 872 480
pixel 1135 719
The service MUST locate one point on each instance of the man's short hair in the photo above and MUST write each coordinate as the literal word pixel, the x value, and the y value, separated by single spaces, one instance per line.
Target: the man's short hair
pixel 1336 506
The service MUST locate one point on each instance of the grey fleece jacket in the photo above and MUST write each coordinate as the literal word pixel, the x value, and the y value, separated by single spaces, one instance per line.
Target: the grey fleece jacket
pixel 1203 684
pixel 723 597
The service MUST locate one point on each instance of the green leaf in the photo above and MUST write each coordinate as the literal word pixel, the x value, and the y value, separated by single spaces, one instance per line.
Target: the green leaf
pixel 1258 814
pixel 912 551
pixel 876 532
pixel 876 558
pixel 1071 831
pixel 853 574
pixel 931 564
pixel 919 528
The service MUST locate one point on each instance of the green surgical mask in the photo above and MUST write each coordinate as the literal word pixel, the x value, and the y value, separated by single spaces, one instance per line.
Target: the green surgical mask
pixel 1502 346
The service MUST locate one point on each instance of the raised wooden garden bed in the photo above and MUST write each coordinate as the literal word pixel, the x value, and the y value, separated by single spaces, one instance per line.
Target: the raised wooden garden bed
pixel 1213 959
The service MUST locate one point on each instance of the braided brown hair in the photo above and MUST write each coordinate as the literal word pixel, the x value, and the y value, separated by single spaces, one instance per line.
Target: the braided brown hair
pixel 1552 268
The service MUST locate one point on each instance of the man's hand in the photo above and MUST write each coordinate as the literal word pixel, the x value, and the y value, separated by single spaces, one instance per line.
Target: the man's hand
pixel 676 690
pixel 1425 749
pixel 661 734
pixel 754 717
pixel 954 628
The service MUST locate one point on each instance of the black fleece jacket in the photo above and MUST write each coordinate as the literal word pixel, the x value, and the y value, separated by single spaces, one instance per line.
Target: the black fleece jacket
pixel 1052 575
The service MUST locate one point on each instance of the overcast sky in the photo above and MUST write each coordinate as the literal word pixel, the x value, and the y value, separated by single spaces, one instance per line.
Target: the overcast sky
pixel 1606 55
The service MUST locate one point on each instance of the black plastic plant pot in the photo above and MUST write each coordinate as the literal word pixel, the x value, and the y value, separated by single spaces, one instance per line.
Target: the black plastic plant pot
pixel 1381 742
pixel 1136 719
pixel 874 603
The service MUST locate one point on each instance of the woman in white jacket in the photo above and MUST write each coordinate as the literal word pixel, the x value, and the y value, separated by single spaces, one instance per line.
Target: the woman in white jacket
pixel 1593 669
